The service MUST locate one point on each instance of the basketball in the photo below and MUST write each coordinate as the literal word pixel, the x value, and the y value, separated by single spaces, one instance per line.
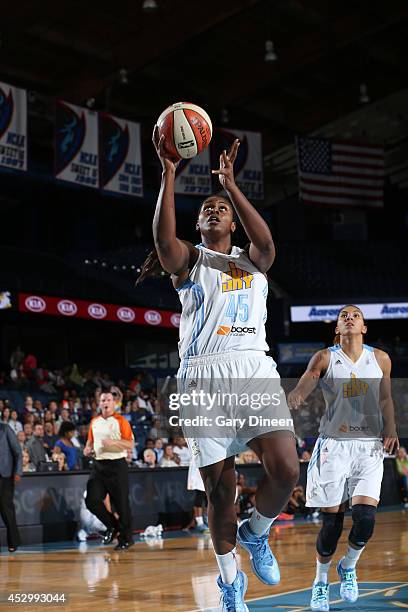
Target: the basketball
pixel 187 129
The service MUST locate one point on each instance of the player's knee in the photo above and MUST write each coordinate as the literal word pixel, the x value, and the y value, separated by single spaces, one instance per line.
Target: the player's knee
pixel 330 533
pixel 221 495
pixel 285 471
pixel 363 517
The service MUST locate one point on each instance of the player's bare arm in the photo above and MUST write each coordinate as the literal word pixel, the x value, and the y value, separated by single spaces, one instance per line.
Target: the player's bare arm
pixel 176 256
pixel 262 248
pixel 309 380
pixel 390 438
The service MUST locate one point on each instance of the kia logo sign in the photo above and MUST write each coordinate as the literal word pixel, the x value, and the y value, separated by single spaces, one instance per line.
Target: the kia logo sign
pixel 175 319
pixel 97 311
pixel 126 314
pixel 35 303
pixel 67 308
pixel 152 317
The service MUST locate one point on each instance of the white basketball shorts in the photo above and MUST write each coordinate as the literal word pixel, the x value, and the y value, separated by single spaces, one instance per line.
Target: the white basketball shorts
pixel 235 397
pixel 342 469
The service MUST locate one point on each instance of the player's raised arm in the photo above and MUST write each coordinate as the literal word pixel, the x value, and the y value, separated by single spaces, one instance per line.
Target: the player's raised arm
pixel 309 380
pixel 390 437
pixel 174 255
pixel 262 248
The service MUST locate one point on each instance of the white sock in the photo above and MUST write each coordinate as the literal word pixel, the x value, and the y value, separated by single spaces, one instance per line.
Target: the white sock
pixel 259 524
pixel 351 557
pixel 199 520
pixel 322 571
pixel 228 566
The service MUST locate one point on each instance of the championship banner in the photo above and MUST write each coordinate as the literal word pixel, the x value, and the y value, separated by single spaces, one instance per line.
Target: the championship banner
pixel 81 309
pixel 13 127
pixel 193 176
pixel 248 166
pixel 310 314
pixel 76 146
pixel 120 156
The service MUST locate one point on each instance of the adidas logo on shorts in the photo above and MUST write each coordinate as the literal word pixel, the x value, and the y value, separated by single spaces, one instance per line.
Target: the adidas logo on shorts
pixel 338 362
pixel 192 384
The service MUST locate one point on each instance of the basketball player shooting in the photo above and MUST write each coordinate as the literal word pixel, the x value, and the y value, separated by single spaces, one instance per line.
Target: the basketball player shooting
pixel 206 292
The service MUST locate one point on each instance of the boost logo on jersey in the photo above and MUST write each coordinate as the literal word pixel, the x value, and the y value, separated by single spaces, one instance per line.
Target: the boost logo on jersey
pixel 236 279
pixel 225 330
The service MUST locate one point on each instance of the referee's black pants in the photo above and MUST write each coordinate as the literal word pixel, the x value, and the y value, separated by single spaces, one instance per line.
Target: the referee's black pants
pixel 111 476
pixel 8 511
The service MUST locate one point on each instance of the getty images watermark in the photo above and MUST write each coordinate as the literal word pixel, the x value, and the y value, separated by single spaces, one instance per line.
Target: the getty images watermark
pixel 227 408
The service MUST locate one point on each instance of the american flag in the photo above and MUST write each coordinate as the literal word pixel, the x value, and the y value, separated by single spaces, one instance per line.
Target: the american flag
pixel 338 173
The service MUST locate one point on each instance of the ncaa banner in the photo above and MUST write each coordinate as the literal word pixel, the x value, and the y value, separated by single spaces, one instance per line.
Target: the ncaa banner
pixel 76 146
pixel 193 176
pixel 120 156
pixel 248 166
pixel 13 127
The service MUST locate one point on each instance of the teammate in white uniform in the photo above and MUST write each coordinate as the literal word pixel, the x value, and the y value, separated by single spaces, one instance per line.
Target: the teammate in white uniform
pixel 347 461
pixel 222 338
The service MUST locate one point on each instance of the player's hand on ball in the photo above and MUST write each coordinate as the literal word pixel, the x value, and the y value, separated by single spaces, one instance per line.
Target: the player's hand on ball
pixel 226 170
pixel 295 399
pixel 158 142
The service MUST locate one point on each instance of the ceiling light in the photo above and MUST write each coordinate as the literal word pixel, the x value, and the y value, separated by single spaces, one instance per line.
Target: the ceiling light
pixel 364 97
pixel 149 6
pixel 270 55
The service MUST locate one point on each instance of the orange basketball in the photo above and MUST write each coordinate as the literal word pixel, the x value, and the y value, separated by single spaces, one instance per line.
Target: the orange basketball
pixel 187 129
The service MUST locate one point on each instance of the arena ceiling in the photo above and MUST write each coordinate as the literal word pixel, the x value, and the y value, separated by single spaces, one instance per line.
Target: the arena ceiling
pixel 212 53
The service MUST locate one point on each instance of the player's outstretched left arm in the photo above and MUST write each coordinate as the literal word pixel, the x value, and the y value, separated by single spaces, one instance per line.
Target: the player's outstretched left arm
pixel 262 248
pixel 390 438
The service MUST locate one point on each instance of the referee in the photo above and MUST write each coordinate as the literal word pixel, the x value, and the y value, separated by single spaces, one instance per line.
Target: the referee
pixel 110 438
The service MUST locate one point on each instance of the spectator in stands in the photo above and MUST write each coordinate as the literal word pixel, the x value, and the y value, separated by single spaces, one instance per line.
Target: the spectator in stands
pixel 305 456
pixel 28 404
pixel 5 415
pixel 14 423
pixel 140 421
pixel 50 437
pixel 21 437
pixel 148 459
pixel 66 433
pixel 247 456
pixel 158 430
pixel 63 418
pixel 17 357
pixel 117 396
pixel 30 366
pixel 297 503
pixel 181 449
pixel 402 469
pixel 28 431
pixel 35 446
pixel 27 465
pixel 75 376
pixel 158 449
pixel 60 458
pixel 82 434
pixel 29 419
pixel 43 379
pixel 169 459
pixel 48 417
pixel 38 408
pixel 53 408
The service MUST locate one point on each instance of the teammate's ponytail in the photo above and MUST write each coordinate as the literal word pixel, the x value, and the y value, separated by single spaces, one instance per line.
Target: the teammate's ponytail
pixel 150 267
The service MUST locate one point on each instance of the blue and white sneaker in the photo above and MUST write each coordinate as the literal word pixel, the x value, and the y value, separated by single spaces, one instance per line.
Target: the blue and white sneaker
pixel 232 595
pixel 320 597
pixel 264 564
pixel 348 583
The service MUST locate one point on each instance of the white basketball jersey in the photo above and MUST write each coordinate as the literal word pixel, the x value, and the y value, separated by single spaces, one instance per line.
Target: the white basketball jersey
pixel 351 391
pixel 223 305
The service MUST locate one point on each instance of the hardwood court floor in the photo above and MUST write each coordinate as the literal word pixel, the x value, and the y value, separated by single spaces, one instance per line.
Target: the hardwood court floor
pixel 179 573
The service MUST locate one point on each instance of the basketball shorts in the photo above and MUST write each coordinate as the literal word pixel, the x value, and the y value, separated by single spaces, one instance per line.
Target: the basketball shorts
pixel 234 397
pixel 342 469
